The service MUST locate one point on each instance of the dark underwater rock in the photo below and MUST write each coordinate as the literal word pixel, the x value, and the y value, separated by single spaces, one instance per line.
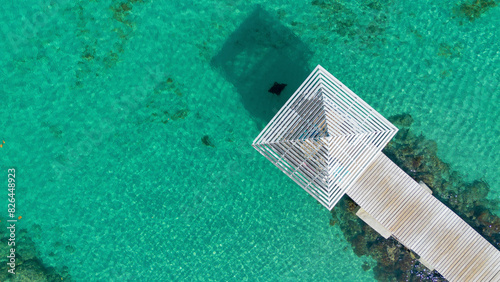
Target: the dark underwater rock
pixel 31 270
pixel 473 9
pixel 29 267
pixel 206 141
pixel 277 88
pixel 180 114
pixel 34 270
pixel 404 120
pixel 366 266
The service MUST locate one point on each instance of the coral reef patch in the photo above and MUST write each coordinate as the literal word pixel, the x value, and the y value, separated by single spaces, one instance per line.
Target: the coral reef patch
pixel 366 25
pixel 417 156
pixel 448 51
pixel 167 103
pixel 103 37
pixel 29 266
pixel 473 9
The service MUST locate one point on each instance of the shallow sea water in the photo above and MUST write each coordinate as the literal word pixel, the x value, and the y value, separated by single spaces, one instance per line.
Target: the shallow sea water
pixel 105 104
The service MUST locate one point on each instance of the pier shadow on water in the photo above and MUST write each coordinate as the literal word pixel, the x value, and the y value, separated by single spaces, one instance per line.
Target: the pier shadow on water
pixel 259 53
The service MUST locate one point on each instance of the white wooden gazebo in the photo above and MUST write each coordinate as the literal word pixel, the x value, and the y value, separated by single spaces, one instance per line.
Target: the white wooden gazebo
pixel 330 142
pixel 324 137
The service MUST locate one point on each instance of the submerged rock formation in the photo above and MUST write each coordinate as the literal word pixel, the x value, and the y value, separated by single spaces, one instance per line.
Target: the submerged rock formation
pixel 206 141
pixel 28 266
pixel 473 9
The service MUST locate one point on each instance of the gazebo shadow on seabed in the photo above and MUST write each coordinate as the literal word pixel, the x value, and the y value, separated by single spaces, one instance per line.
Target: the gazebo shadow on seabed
pixel 329 141
pixel 259 53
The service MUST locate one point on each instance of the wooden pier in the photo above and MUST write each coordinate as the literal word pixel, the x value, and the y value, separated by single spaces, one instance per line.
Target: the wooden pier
pixel 423 224
pixel 329 141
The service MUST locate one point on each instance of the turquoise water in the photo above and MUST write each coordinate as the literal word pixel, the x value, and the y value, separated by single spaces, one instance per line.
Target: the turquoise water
pixel 105 105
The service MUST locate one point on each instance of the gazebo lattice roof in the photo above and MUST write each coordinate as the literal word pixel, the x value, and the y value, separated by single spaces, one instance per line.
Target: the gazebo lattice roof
pixel 324 137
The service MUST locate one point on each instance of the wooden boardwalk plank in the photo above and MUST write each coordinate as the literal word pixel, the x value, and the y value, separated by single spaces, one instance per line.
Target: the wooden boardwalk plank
pixel 387 204
pixel 435 219
pixel 481 266
pixel 389 216
pixel 436 237
pixel 451 241
pixel 422 223
pixel 455 227
pixel 494 277
pixel 410 237
pixel 413 209
pixel 372 183
pixel 413 232
pixel 473 254
pixel 489 271
pixel 458 251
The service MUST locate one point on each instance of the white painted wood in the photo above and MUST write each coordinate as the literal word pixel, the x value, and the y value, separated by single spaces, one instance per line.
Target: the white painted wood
pixel 496 278
pixel 426 264
pixel 324 137
pixel 423 224
pixel 426 188
pixel 373 223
